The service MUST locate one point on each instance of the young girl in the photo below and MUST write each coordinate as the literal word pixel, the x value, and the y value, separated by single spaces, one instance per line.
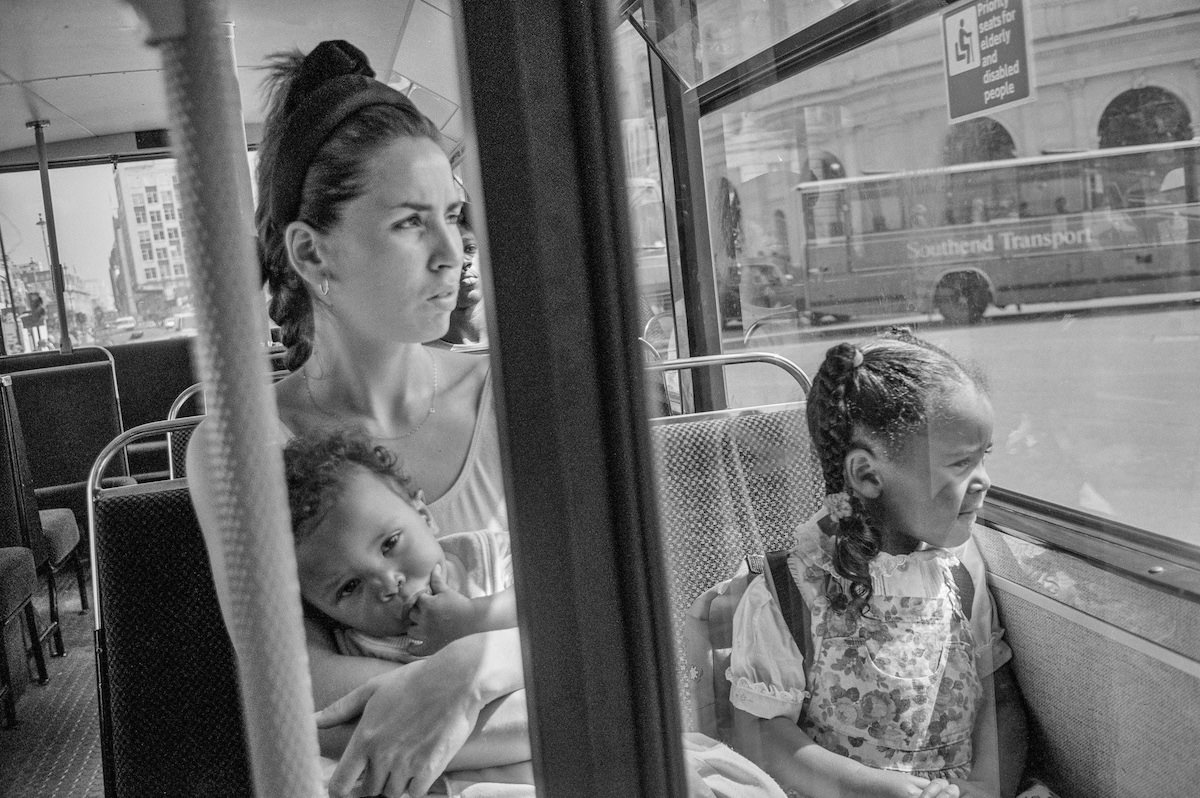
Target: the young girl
pixel 887 680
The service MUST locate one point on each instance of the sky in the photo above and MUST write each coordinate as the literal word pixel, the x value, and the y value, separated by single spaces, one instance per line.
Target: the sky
pixel 84 204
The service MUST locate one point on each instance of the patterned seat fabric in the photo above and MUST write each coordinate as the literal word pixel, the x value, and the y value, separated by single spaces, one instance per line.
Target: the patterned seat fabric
pixel 729 487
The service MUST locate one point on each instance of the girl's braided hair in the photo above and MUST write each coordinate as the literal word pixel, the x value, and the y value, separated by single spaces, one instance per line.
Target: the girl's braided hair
pixel 336 175
pixel 887 389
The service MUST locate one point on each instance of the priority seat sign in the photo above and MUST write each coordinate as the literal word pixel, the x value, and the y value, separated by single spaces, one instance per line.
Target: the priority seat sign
pixel 986 47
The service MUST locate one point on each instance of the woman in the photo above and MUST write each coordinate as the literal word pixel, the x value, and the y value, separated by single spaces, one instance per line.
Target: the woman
pixel 468 325
pixel 358 230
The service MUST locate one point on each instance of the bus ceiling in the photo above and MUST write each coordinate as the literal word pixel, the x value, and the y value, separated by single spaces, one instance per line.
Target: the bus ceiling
pixel 83 69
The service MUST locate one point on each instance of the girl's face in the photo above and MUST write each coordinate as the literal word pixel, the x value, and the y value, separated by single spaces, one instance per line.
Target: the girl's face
pixel 933 489
pixel 395 257
pixel 370 557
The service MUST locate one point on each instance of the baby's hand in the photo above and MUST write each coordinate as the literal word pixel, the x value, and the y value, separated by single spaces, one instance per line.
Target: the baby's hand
pixel 440 616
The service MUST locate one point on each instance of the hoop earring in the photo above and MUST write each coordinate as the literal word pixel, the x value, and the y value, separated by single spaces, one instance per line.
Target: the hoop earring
pixel 324 286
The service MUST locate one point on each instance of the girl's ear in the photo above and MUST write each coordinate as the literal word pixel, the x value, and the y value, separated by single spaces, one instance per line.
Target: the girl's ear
pixel 304 253
pixel 863 475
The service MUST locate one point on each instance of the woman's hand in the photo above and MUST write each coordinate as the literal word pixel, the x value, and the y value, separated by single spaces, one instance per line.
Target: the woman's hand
pixel 415 718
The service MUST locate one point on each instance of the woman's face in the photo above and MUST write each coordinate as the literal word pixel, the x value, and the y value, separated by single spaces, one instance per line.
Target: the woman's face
pixel 395 258
pixel 469 290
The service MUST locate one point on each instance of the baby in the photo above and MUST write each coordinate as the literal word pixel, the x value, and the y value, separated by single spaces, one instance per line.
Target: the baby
pixel 370 560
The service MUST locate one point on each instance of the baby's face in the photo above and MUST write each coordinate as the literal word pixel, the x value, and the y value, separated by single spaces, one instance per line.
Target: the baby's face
pixel 370 557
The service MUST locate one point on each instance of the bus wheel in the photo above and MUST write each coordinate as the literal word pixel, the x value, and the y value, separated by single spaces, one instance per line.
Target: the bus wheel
pixel 962 298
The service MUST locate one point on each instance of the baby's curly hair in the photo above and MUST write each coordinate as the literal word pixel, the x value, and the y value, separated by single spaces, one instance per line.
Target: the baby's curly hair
pixel 317 466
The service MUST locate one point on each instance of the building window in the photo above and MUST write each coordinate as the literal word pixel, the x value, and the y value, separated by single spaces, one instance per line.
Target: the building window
pixel 180 270
pixel 156 217
pixel 152 194
pixel 161 253
pixel 139 214
pixel 173 234
pixel 159 235
pixel 169 211
pixel 151 273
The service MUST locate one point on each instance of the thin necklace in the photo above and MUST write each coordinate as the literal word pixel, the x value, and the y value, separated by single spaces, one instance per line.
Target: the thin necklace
pixel 401 436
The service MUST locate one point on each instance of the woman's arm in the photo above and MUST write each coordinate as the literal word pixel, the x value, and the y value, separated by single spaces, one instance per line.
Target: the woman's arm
pixel 791 757
pixel 416 718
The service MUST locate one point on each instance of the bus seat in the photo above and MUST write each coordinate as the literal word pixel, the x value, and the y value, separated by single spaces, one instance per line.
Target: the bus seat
pixel 68 413
pixel 1080 632
pixel 170 708
pixel 729 485
pixel 18 580
pixel 189 402
pixel 51 534
pixel 150 374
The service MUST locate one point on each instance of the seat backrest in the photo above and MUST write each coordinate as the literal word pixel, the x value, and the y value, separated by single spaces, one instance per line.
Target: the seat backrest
pixel 68 414
pixel 20 524
pixel 189 402
pixel 28 361
pixel 729 485
pixel 150 374
pixel 171 718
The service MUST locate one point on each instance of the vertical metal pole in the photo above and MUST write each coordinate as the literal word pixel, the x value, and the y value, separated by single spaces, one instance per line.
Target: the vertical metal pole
pixel 239 436
pixel 12 303
pixel 56 275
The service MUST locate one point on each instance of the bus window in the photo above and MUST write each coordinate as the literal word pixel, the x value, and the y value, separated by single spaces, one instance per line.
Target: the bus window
pixel 1098 245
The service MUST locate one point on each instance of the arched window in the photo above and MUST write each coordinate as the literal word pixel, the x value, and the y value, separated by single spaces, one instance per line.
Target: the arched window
pixel 1144 116
pixel 975 140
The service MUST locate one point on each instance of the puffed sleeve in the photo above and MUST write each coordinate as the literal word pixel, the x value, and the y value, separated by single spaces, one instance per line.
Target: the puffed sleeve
pixel 766 668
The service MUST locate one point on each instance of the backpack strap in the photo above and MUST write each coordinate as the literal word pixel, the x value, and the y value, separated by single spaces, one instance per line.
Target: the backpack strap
pixel 795 612
pixel 965 587
pixel 791 603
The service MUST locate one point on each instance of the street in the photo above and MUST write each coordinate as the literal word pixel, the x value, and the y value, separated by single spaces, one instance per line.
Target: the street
pixel 1094 407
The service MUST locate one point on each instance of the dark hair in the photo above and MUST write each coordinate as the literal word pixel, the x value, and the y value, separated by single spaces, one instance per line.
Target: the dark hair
pixel 335 175
pixel 889 389
pixel 317 465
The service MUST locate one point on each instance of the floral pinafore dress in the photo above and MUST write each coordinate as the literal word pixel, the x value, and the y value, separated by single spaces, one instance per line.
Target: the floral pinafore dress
pixel 896 688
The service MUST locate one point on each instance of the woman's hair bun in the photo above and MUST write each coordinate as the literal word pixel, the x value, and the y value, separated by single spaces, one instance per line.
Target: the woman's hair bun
pixel 328 60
